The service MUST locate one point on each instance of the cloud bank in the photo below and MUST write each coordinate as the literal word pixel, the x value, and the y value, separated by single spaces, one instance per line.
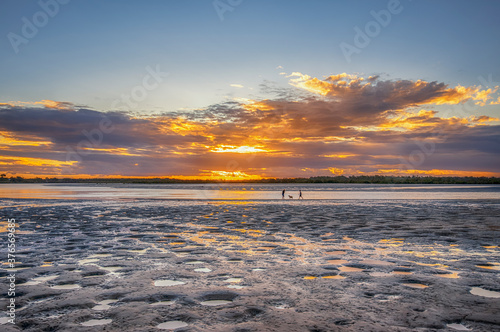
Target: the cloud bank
pixel 341 124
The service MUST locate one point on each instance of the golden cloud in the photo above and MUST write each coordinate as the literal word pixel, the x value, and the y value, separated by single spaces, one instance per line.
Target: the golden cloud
pixel 364 125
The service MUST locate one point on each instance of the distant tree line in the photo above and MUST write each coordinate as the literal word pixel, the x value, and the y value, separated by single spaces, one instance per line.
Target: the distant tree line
pixel 316 179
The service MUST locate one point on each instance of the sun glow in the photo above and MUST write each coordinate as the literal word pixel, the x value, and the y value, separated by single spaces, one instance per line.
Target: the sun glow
pixel 237 149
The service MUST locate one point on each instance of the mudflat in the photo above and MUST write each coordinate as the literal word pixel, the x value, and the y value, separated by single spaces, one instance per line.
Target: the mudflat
pixel 152 265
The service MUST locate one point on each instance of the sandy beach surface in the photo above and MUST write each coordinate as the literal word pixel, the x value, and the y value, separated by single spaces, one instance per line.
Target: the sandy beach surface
pixel 153 265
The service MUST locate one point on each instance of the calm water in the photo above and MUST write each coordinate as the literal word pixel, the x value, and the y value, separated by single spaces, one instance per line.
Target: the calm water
pixel 250 191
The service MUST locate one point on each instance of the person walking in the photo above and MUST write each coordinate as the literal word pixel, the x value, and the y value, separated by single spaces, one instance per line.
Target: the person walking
pixel 283 194
pixel 300 194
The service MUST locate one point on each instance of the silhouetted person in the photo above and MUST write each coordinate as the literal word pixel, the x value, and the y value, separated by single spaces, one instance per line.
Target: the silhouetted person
pixel 300 194
pixel 283 194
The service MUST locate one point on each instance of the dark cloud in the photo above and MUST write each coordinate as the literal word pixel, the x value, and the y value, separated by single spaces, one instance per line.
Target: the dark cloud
pixel 341 122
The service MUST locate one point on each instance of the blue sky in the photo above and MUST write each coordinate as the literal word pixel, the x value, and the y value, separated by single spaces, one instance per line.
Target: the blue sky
pixel 90 52
pixel 254 83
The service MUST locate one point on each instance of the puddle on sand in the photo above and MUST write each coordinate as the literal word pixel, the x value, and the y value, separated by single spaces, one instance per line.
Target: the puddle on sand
pixel 337 261
pixel 235 286
pixel 375 262
pixel 458 327
pixel 333 277
pixel 30 283
pixel 453 275
pixel 104 305
pixel 162 303
pixel 489 267
pixel 484 292
pixel 97 322
pixel 235 280
pixel 195 262
pixel 88 261
pixel 380 274
pixel 4 320
pixel 310 277
pixel 203 269
pixel 138 251
pixel 68 286
pixel 337 252
pixel 172 325
pixel 168 283
pixel 39 280
pixel 213 303
pixel 350 269
pixel 415 285
pixel 99 255
pixel 46 278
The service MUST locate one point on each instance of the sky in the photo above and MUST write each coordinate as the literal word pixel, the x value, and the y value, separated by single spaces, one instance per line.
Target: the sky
pixel 249 89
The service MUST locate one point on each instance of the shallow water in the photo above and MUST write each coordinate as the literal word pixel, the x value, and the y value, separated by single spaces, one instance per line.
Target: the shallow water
pixel 484 292
pixel 96 322
pixel 213 303
pixel 168 283
pixel 273 257
pixel 249 191
pixel 172 325
pixel 458 327
pixel 69 286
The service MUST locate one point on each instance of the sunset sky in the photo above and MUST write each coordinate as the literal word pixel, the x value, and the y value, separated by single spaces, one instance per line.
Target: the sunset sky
pixel 249 89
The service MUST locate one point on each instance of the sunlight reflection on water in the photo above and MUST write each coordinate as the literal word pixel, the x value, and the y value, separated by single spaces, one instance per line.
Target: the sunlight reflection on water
pixel 240 192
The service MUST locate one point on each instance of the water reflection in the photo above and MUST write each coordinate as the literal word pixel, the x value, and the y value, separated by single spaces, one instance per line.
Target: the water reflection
pixel 241 192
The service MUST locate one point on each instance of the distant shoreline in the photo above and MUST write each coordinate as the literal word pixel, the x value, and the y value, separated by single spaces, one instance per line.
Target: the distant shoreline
pixel 320 179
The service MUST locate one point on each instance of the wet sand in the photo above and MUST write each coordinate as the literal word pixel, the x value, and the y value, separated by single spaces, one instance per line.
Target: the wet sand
pixel 155 265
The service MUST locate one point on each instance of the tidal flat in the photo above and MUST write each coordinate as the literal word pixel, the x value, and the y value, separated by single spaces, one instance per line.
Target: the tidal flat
pixel 201 265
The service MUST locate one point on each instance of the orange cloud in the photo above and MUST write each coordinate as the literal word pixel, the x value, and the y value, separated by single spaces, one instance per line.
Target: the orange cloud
pixel 417 92
pixel 345 124
pixel 60 105
pixel 7 139
pixel 12 161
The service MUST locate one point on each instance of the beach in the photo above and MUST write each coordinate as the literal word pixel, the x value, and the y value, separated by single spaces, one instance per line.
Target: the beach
pixel 122 264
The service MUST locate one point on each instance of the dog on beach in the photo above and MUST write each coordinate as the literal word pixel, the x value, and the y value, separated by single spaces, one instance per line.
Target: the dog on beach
pixel 290 196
